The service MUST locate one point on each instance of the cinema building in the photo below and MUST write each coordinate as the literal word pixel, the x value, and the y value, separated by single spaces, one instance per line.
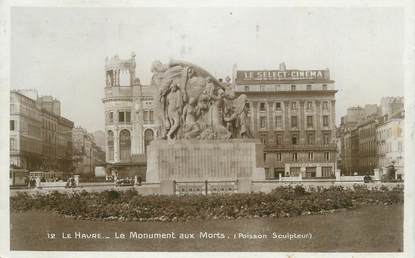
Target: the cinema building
pixel 293 113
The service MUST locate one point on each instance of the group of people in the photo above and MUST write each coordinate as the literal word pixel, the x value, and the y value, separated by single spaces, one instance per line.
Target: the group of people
pixel 193 105
pixel 70 183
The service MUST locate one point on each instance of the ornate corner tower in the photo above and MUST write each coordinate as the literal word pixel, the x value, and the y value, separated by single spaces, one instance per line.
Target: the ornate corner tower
pixel 123 114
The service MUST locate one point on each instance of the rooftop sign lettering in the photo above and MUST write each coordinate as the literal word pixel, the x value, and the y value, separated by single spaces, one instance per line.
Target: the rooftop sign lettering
pixel 277 75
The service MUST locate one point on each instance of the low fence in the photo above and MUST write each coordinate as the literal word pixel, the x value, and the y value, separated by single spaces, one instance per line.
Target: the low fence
pixel 205 187
pixel 52 184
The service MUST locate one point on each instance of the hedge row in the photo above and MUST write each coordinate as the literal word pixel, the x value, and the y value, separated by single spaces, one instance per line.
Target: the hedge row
pixel 131 206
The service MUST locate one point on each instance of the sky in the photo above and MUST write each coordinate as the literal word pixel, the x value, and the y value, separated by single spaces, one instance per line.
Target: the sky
pixel 61 51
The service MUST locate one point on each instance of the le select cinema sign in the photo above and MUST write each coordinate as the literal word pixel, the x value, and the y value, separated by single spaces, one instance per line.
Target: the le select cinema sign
pixel 278 75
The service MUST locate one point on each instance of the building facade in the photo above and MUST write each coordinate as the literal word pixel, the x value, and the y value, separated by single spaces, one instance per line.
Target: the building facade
pixel 390 143
pixel 40 138
pixel 348 133
pixel 367 150
pixel 87 155
pixel 371 137
pixel 293 113
pixel 25 132
pixel 129 118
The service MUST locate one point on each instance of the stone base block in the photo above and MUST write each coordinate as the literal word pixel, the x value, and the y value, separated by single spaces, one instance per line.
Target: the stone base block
pixel 199 160
pixel 245 185
pixel 167 187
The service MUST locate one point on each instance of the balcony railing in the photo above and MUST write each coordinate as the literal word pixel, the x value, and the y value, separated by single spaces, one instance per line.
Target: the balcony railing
pixel 300 146
pixel 118 91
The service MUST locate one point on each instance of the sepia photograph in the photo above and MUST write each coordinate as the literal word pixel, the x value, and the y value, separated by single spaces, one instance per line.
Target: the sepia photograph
pixel 208 128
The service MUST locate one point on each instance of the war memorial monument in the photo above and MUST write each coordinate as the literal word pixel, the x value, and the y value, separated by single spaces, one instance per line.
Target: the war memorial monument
pixel 203 134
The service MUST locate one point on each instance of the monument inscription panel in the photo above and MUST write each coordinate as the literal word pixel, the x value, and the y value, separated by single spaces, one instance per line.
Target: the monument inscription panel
pixel 200 160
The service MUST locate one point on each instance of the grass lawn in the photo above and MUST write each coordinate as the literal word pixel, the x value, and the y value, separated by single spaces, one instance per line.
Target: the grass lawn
pixel 367 229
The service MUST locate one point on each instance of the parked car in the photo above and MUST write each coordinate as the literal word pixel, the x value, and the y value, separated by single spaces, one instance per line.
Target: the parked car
pixel 125 182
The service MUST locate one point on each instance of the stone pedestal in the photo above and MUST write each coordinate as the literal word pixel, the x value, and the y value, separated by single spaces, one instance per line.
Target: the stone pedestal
pixel 245 185
pixel 167 187
pixel 200 160
pixel 377 174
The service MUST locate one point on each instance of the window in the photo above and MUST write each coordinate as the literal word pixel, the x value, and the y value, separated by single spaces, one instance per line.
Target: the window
pixel 325 120
pixel 265 157
pixel 326 138
pixel 309 105
pixel 262 107
pixel 128 116
pixel 325 105
pixel 263 138
pixel 294 122
pixel 310 138
pixel 121 117
pixel 309 121
pixel 125 145
pixel 151 117
pixel 310 172
pixel 295 171
pixel 11 125
pixel 278 139
pixel 111 117
pixel 294 156
pixel 263 122
pixel 293 87
pixel 124 116
pixel 326 155
pixel 326 172
pixel 278 121
pixel 146 116
pixel 324 87
pixel 110 145
pixel 246 88
pixel 294 139
pixel 278 172
pixel 12 144
pixel 309 87
pixel 293 105
pixel 310 155
pixel 278 106
pixel 278 156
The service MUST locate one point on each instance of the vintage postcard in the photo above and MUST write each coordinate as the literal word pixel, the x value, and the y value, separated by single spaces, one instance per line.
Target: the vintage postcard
pixel 195 129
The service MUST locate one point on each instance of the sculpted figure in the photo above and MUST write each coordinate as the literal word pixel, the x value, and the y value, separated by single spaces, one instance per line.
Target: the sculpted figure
pixel 191 104
pixel 190 115
pixel 175 100
pixel 216 110
pixel 238 119
pixel 162 80
pixel 157 68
